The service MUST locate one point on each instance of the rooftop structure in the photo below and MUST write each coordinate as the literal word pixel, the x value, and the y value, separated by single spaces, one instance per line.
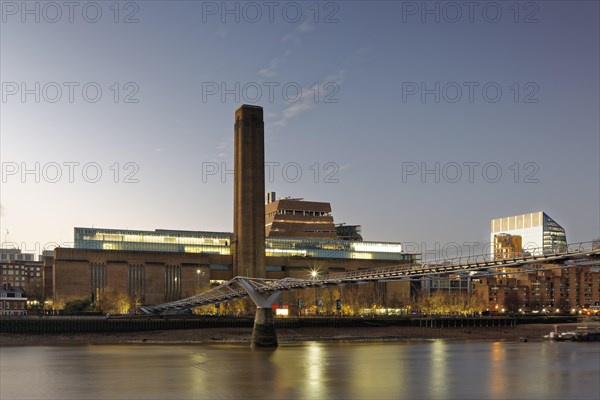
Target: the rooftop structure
pixel 298 218
pixel 15 255
pixel 220 243
pixel 349 232
pixel 157 240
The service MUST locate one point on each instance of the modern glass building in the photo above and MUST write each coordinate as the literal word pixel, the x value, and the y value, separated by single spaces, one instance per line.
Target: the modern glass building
pixel 539 233
pixel 157 240
pixel 334 248
pixel 220 243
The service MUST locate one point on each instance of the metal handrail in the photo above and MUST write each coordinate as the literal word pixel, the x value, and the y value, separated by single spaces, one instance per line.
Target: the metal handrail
pixel 232 289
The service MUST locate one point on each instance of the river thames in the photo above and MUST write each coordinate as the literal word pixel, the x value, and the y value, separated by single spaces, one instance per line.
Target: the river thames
pixel 400 370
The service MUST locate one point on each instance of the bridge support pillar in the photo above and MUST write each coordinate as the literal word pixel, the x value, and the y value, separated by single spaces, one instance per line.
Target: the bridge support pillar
pixel 263 333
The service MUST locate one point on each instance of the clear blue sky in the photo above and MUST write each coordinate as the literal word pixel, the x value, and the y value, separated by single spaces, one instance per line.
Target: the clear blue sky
pixel 373 68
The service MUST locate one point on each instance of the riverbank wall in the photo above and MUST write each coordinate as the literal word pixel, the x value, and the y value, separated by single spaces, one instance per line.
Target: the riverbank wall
pixel 44 325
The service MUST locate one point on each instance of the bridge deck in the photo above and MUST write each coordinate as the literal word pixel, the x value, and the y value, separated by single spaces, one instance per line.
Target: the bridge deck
pixel 576 254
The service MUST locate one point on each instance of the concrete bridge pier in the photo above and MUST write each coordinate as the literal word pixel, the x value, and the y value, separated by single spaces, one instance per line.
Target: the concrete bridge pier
pixel 263 333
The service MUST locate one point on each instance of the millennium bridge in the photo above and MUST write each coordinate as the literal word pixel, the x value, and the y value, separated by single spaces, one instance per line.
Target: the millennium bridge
pixel 264 292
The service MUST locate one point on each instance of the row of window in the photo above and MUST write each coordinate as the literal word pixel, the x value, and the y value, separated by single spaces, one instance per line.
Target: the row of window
pixel 11 272
pixel 12 305
pixel 301 212
pixel 17 257
pixel 16 278
pixel 25 267
pixel 156 238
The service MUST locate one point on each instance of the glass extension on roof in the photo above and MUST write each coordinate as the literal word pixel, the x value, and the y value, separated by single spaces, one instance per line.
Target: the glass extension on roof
pixel 158 240
pixel 220 243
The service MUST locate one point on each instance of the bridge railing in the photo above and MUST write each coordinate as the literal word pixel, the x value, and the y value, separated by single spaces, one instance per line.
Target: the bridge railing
pixel 456 264
pixel 232 289
pixel 529 254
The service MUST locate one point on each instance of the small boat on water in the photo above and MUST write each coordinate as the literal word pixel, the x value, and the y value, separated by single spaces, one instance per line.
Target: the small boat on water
pixel 582 334
pixel 592 336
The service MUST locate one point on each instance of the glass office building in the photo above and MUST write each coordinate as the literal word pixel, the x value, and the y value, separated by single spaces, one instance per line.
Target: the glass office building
pixel 157 240
pixel 539 233
pixel 220 243
pixel 334 248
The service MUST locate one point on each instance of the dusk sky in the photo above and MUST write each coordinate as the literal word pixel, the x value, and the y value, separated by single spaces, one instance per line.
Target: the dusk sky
pixel 361 97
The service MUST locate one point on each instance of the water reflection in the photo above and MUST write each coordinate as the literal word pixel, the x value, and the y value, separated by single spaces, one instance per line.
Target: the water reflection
pixel 381 365
pixel 497 373
pixel 314 370
pixel 439 385
pixel 437 370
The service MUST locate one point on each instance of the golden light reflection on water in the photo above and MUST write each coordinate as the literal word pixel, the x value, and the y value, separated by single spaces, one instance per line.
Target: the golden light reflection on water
pixel 435 370
pixel 305 365
pixel 439 383
pixel 497 376
pixel 315 370
pixel 385 370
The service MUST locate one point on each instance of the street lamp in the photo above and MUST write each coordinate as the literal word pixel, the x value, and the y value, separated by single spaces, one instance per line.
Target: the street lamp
pixel 314 274
pixel 198 280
